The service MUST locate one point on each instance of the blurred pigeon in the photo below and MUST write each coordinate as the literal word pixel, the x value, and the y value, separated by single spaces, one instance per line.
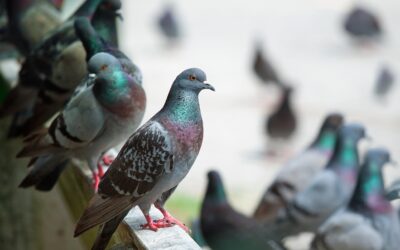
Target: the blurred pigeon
pixel 384 82
pixel 99 117
pixel 281 124
pixel 29 21
pixel 370 221
pixel 263 68
pixel 393 192
pixel 48 76
pixel 105 21
pixel 329 190
pixel 153 160
pixel 297 174
pixel 362 24
pixel 168 24
pixel 224 228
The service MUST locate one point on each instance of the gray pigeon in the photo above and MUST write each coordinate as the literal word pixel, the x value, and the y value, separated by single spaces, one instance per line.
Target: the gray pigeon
pixel 169 25
pixel 384 81
pixel 299 171
pixel 224 228
pixel 97 118
pixel 370 222
pixel 362 24
pixel 330 190
pixel 153 161
pixel 49 75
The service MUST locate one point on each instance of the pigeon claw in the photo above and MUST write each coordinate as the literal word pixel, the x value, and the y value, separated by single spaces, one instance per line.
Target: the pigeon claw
pixel 107 159
pixel 96 181
pixel 150 224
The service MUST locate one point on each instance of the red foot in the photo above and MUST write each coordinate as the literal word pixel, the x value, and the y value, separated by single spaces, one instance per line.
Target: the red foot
pixel 96 181
pixel 107 159
pixel 169 221
pixel 149 225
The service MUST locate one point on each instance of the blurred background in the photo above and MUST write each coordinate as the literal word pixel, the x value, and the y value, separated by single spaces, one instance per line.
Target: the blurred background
pixel 305 42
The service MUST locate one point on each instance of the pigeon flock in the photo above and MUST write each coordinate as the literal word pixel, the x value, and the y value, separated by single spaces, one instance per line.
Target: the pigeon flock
pixel 78 95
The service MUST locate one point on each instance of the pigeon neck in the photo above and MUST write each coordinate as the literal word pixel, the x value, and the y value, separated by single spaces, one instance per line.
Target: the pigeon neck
pixel 87 9
pixel 370 190
pixel 345 159
pixel 325 141
pixel 91 41
pixel 182 106
pixel 215 192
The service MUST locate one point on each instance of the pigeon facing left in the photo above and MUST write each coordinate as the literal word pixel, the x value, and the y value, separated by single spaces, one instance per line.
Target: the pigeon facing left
pixel 223 228
pixel 96 119
pixel 153 161
pixel 370 222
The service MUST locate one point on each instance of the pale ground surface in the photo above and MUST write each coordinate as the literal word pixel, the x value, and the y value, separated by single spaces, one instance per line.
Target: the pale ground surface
pixel 304 40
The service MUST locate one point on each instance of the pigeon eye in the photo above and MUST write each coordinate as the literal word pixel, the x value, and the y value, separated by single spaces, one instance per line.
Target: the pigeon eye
pixel 103 67
pixel 192 77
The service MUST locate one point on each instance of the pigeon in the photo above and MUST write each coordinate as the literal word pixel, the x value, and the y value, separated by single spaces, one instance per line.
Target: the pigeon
pixel 48 76
pixel 224 228
pixel 281 124
pixel 370 222
pixel 329 190
pixel 384 82
pixel 153 161
pixel 263 68
pixel 362 24
pixel 96 119
pixel 105 21
pixel 393 191
pixel 29 21
pixel 168 24
pixel 297 174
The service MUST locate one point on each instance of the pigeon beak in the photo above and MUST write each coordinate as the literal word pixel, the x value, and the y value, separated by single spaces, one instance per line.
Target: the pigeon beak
pixel 209 86
pixel 119 15
pixel 368 138
pixel 393 163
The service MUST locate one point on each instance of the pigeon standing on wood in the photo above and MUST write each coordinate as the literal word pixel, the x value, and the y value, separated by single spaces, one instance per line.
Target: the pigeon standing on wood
pixel 224 228
pixel 99 117
pixel 153 161
pixel 49 75
pixel 384 82
pixel 297 174
pixel 370 222
pixel 362 24
pixel 330 190
pixel 263 68
pixel 281 124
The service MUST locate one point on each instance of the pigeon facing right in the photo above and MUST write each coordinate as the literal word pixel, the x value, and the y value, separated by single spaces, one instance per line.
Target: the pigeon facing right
pixel 153 161
pixel 330 190
pixel 223 228
pixel 295 175
pixel 370 222
pixel 361 24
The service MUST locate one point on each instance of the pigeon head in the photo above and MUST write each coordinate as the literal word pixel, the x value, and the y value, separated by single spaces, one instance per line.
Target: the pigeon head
pixel 192 80
pixel 103 62
pixel 110 6
pixel 327 135
pixel 215 188
pixel 353 131
pixel 370 188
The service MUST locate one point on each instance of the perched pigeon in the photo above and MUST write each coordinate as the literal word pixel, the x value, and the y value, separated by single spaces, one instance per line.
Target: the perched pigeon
pixel 281 124
pixel 330 190
pixel 297 174
pixel 168 24
pixel 97 118
pixel 370 222
pixel 153 161
pixel 384 81
pixel 362 24
pixel 105 21
pixel 263 68
pixel 224 228
pixel 29 21
pixel 48 76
